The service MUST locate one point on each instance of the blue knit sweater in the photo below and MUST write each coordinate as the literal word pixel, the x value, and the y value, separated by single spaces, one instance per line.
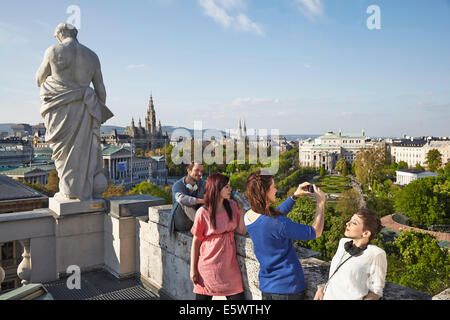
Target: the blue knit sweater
pixel 280 270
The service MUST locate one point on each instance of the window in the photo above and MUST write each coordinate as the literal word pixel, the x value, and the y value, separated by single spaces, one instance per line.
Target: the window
pixel 8 285
pixel 8 251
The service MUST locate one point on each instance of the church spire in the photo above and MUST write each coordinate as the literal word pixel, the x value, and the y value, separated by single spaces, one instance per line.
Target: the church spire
pixel 239 134
pixel 150 119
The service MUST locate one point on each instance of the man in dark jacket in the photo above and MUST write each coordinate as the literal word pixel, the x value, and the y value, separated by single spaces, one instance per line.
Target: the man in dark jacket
pixel 187 197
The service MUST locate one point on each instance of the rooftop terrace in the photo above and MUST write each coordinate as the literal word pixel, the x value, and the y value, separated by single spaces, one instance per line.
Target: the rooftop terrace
pixel 124 252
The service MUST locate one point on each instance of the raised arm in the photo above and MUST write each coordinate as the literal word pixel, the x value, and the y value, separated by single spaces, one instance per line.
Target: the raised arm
pixel 318 222
pixel 320 211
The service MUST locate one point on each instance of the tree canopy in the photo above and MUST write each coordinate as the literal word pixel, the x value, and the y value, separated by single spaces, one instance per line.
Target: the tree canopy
pixel 415 260
pixel 425 201
pixel 434 160
pixel 370 164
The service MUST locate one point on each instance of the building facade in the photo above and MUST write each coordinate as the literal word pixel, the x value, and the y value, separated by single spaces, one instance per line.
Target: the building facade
pixel 405 176
pixel 119 162
pixel 149 137
pixel 326 150
pixel 32 174
pixel 15 152
pixel 414 151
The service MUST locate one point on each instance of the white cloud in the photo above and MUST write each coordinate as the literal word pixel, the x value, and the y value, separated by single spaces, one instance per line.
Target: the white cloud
pixel 245 24
pixel 243 102
pixel 232 4
pixel 310 8
pixel 135 66
pixel 12 35
pixel 220 11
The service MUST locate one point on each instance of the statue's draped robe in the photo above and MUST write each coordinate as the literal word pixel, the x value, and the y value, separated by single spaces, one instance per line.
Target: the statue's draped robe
pixel 73 116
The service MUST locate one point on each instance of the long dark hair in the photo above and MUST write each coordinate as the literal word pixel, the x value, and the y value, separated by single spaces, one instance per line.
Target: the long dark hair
pixel 215 183
pixel 256 189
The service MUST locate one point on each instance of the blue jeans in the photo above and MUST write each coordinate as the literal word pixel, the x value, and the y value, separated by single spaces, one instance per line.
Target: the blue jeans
pixel 276 296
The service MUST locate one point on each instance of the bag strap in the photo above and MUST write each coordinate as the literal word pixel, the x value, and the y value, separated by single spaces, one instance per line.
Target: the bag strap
pixel 335 272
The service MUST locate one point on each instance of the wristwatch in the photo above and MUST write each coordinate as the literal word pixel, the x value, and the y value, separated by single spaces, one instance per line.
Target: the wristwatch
pixel 293 197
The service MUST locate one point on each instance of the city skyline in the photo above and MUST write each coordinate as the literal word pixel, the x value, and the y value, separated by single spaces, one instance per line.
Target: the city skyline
pixel 300 66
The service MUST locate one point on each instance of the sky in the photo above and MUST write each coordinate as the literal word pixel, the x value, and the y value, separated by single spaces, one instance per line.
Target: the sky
pixel 300 66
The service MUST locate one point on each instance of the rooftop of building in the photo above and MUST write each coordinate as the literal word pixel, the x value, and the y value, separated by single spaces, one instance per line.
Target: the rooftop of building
pixel 109 150
pixel 411 170
pixel 418 172
pixel 14 190
pixel 41 151
pixel 343 135
pixel 24 170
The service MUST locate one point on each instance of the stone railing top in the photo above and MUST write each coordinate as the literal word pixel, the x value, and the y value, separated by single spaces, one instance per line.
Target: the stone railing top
pixel 25 215
pixel 244 244
pixel 128 206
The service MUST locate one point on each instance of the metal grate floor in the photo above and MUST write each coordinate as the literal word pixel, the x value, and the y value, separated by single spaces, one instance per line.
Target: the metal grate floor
pixel 100 285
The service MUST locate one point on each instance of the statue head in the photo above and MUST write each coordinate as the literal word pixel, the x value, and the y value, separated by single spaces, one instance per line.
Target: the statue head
pixel 65 30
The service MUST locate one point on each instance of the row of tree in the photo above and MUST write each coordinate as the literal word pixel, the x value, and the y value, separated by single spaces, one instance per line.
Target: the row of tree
pixel 415 259
pixel 425 201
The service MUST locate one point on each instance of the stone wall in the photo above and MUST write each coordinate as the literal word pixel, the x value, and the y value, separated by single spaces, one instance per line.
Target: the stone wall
pixel 164 262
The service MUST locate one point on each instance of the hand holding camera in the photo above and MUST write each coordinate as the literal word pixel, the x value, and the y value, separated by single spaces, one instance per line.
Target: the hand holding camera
pixel 308 188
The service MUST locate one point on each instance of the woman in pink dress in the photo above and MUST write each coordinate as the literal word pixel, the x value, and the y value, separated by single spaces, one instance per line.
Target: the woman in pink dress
pixel 214 266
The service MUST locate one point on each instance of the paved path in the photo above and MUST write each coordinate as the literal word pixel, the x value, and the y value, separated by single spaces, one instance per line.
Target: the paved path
pixel 387 221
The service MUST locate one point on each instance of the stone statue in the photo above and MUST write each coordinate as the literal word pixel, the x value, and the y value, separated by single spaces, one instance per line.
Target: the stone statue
pixel 73 113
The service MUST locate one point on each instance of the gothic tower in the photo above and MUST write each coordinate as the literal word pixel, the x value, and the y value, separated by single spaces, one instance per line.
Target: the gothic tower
pixel 239 134
pixel 150 119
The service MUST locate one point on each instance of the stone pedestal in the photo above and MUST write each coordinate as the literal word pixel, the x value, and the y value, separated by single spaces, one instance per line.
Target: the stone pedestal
pixel 120 232
pixel 69 207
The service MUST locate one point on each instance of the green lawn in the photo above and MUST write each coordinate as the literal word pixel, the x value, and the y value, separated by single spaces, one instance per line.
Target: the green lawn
pixel 334 184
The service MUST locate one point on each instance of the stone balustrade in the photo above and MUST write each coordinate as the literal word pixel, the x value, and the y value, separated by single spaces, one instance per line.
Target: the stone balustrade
pixel 2 271
pixel 24 268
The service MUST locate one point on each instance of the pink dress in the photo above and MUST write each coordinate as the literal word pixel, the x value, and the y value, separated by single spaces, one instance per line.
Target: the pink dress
pixel 218 268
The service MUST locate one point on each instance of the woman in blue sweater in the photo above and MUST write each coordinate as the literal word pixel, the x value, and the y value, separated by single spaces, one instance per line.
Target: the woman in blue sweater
pixel 281 275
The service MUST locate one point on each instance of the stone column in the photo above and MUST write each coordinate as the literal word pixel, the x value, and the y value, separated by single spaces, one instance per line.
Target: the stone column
pixel 24 268
pixel 109 168
pixel 2 271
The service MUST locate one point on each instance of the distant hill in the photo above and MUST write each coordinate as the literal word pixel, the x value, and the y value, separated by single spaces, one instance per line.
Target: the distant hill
pixel 168 129
pixel 109 129
pixel 293 137
pixel 6 127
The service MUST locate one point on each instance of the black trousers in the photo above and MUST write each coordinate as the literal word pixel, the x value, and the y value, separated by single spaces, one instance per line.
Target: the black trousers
pixel 275 296
pixel 238 296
